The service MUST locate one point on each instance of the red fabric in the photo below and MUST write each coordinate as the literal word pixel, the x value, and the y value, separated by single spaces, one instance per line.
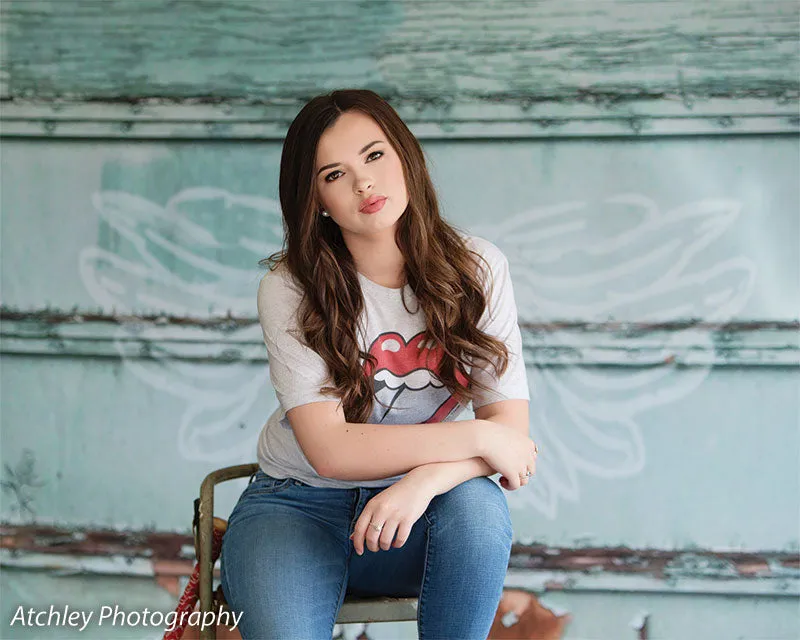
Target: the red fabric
pixel 191 593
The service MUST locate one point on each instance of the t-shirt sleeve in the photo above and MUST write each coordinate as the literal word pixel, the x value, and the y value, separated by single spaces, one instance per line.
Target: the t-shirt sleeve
pixel 297 372
pixel 500 320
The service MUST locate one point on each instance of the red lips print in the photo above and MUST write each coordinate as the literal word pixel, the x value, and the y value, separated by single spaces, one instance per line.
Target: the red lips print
pixel 401 358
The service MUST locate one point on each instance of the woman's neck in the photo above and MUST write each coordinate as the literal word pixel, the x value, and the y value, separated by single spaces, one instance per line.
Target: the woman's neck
pixel 378 258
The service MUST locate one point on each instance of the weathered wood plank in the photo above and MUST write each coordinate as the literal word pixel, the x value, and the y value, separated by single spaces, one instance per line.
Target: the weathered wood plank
pixel 534 567
pixel 519 68
pixel 223 340
pixel 608 51
pixel 4 66
pixel 229 120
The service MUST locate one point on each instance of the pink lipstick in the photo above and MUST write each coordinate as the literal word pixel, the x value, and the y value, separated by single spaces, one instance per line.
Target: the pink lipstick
pixel 373 204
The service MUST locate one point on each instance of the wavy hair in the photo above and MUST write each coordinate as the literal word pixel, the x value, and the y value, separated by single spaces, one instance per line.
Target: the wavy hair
pixel 444 274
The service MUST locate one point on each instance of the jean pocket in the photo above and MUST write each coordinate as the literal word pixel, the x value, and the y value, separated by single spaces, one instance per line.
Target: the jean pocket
pixel 264 484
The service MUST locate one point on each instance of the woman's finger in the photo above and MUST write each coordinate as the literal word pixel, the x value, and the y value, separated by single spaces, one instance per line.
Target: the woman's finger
pixel 360 531
pixel 373 537
pixel 387 534
pixel 403 531
pixel 355 542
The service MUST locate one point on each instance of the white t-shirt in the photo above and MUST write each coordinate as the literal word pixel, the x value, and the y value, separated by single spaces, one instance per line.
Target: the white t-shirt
pixel 394 336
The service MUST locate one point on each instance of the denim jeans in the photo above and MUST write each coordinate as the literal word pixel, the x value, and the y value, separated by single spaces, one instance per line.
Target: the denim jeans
pixel 287 561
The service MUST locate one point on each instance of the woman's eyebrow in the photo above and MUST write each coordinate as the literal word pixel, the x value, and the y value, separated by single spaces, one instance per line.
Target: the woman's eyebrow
pixel 329 166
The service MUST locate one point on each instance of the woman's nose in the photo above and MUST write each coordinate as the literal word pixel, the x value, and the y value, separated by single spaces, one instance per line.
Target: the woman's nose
pixel 363 183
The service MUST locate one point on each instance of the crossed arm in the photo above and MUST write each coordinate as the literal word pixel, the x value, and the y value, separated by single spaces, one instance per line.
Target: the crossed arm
pixel 447 475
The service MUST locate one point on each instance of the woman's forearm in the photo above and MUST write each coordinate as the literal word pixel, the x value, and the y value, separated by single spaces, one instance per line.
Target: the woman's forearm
pixel 444 476
pixel 362 451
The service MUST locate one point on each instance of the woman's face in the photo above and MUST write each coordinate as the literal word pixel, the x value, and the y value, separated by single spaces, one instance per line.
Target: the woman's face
pixel 354 162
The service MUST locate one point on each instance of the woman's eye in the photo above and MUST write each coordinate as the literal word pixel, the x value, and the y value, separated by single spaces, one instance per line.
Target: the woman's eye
pixel 333 173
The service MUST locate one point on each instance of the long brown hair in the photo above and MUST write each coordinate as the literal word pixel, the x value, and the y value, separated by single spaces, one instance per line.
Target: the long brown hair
pixel 442 271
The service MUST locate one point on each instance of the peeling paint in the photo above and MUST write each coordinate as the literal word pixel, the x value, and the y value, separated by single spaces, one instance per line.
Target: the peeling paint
pixel 639 623
pixel 661 564
pixel 229 339
pixel 50 317
pixel 172 554
pixel 96 542
pixel 726 330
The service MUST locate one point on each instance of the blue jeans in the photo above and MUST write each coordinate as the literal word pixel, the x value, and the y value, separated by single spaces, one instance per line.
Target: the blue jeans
pixel 287 561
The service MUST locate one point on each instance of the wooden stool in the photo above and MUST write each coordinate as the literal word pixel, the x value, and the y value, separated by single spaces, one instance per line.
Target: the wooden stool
pixel 353 609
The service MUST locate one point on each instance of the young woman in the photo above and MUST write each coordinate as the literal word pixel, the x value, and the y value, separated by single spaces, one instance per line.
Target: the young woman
pixel 382 322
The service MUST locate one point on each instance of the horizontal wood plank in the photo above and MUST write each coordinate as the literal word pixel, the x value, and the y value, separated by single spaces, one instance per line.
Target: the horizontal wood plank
pixel 453 68
pixel 228 340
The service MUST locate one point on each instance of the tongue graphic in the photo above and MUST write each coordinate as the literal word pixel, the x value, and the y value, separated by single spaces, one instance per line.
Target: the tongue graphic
pixel 400 358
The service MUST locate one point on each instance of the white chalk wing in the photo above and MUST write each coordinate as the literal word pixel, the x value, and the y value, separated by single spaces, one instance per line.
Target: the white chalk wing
pixel 185 259
pixel 620 260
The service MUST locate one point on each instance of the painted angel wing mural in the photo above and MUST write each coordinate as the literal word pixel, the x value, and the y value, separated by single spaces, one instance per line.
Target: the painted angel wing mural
pixel 183 259
pixel 623 260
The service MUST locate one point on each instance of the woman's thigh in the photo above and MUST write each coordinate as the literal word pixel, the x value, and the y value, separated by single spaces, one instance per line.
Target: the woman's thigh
pixel 285 559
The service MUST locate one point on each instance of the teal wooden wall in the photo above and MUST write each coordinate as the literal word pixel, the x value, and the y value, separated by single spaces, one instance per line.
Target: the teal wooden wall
pixel 637 162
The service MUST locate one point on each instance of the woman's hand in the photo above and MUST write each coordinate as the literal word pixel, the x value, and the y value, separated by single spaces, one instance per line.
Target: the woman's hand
pixel 509 452
pixel 397 507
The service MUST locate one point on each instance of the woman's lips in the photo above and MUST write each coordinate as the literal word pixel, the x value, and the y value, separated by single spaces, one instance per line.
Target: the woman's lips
pixel 375 207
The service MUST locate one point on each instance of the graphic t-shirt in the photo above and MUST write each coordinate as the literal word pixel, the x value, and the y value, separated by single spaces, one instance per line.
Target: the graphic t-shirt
pixel 405 378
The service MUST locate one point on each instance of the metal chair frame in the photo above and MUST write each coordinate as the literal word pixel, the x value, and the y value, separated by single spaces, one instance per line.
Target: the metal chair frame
pixel 380 609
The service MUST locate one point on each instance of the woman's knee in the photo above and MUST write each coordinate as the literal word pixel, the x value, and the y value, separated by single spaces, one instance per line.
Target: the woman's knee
pixel 475 508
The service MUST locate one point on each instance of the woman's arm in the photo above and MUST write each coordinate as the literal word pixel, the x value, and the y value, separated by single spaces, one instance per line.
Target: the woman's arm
pixel 362 451
pixel 443 476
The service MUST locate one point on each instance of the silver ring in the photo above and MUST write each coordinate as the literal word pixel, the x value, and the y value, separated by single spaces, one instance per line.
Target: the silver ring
pixel 377 527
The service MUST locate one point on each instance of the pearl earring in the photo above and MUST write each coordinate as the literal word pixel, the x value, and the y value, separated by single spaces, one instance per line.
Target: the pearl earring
pixel 325 213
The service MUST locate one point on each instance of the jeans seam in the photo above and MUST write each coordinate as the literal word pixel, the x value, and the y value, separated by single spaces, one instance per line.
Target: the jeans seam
pixel 342 587
pixel 229 597
pixel 345 578
pixel 355 516
pixel 422 591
